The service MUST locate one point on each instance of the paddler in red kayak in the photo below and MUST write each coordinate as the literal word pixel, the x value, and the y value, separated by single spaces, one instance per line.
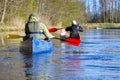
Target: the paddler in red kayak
pixel 74 30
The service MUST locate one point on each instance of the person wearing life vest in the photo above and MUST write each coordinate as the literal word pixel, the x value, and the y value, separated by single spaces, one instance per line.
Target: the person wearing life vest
pixel 74 30
pixel 34 28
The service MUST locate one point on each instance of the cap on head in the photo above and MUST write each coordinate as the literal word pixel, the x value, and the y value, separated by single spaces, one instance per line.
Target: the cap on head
pixel 33 18
pixel 32 15
pixel 74 22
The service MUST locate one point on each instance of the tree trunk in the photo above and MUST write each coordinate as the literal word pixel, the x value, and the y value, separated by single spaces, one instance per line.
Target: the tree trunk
pixel 4 11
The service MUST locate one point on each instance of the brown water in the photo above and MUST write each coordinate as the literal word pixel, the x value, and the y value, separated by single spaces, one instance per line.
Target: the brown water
pixel 97 58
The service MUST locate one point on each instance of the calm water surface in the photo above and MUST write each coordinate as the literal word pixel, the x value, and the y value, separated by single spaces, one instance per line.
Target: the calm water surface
pixel 97 58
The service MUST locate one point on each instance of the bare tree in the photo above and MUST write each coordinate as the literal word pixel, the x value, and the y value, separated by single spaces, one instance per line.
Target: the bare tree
pixel 4 11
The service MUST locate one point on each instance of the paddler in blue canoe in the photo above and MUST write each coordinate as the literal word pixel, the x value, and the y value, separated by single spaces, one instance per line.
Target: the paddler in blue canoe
pixel 35 28
pixel 74 30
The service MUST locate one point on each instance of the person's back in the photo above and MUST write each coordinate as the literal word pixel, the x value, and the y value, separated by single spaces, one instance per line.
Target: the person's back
pixel 34 28
pixel 74 30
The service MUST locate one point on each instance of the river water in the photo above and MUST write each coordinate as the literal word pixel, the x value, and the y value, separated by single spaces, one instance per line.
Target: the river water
pixel 97 58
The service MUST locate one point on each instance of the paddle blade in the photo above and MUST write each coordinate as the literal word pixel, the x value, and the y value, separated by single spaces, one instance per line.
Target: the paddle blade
pixel 54 29
pixel 72 41
pixel 13 36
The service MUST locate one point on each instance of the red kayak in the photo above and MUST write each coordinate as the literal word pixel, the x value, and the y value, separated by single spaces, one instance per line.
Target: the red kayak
pixel 73 41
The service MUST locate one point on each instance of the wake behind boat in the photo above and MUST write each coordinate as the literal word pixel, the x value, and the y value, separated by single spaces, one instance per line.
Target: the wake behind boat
pixel 36 46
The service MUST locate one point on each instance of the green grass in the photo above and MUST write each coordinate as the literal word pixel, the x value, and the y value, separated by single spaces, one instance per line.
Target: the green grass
pixel 107 26
pixel 100 25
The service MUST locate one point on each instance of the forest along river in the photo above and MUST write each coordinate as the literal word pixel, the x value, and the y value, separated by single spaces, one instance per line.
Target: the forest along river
pixel 97 58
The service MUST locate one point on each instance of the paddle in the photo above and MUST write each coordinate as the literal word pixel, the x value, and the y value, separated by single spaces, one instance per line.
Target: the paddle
pixel 54 29
pixel 72 41
pixel 14 36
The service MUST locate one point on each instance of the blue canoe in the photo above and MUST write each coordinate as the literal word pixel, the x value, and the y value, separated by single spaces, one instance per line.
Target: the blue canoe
pixel 36 46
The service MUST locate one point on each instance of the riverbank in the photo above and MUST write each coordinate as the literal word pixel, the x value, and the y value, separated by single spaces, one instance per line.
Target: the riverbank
pixel 87 26
pixel 101 25
pixel 7 27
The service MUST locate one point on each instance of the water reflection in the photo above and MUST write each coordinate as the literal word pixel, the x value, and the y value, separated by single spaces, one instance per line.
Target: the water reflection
pixel 97 58
pixel 66 67
pixel 37 66
pixel 10 65
pixel 28 65
pixel 67 48
pixel 41 66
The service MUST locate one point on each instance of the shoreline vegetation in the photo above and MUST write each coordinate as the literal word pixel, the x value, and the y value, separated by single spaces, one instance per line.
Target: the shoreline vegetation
pixel 101 26
pixel 86 26
pixel 55 13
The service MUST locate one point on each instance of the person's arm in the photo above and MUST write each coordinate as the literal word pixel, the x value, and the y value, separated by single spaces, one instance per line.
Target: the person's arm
pixel 46 32
pixel 26 29
pixel 68 28
pixel 80 28
pixel 27 35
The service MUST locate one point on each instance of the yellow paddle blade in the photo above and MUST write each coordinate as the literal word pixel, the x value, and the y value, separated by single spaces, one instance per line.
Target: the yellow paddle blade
pixel 14 36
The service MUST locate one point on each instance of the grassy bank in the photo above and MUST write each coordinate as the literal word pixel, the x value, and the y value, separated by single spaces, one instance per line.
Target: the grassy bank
pixel 4 27
pixel 101 25
pixel 8 27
